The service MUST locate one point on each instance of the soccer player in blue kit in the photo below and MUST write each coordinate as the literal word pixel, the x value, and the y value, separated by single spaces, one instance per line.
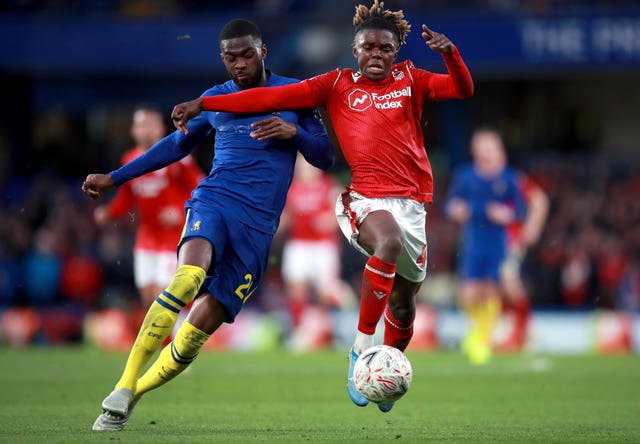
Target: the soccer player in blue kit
pixel 230 219
pixel 484 197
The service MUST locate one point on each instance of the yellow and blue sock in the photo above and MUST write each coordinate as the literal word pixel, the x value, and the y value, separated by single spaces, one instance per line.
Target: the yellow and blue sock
pixel 160 320
pixel 173 359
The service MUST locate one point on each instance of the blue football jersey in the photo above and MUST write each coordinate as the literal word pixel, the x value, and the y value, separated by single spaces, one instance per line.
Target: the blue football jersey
pixel 249 179
pixel 477 191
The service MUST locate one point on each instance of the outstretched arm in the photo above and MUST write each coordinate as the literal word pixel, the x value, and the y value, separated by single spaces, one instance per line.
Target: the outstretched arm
pixel 173 147
pixel 253 100
pixel 458 84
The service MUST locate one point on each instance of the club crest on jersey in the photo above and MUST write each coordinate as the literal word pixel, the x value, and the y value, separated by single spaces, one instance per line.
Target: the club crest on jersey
pixel 397 75
pixel 359 100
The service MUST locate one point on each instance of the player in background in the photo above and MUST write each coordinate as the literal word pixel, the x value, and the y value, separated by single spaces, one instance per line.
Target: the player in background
pixel 484 198
pixel 157 198
pixel 521 235
pixel 311 257
pixel 375 112
pixel 230 219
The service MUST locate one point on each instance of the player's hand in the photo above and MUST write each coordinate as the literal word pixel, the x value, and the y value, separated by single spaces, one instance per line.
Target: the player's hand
pixel 458 210
pixel 185 111
pixel 436 41
pixel 500 214
pixel 95 184
pixel 273 128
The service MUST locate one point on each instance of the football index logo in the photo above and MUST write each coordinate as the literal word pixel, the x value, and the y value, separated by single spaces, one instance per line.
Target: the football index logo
pixel 195 226
pixel 359 100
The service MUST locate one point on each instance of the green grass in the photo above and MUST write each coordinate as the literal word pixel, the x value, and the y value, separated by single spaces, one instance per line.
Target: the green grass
pixel 53 396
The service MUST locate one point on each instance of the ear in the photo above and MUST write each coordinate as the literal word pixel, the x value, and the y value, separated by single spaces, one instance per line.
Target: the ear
pixel 263 50
pixel 355 51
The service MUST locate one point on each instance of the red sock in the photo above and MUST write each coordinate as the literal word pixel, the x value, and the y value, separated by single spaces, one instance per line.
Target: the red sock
pixel 377 281
pixel 297 306
pixel 521 309
pixel 396 334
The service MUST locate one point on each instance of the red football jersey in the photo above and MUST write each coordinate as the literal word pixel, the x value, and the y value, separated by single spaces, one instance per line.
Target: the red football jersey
pixel 377 123
pixel 311 206
pixel 158 200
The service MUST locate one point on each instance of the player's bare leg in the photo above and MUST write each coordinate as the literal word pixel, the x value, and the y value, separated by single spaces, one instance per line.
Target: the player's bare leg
pixel 381 236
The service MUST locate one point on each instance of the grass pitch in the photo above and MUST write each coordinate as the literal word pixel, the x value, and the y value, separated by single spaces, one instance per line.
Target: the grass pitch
pixel 53 396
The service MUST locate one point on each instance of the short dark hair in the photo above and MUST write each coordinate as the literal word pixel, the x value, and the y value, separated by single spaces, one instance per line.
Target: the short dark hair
pixel 239 28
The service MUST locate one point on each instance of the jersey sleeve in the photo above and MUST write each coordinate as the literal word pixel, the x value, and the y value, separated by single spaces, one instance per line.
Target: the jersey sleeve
pixel 308 94
pixel 456 84
pixel 171 148
pixel 312 141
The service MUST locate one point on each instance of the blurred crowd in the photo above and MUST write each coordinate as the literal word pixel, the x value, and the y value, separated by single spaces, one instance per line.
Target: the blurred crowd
pixel 57 266
pixel 55 259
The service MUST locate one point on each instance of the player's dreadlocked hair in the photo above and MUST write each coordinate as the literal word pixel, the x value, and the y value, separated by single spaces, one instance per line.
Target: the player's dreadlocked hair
pixel 239 28
pixel 376 17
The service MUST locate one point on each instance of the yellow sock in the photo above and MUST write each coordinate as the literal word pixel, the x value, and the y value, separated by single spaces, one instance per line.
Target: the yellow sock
pixel 160 320
pixel 173 359
pixel 489 313
pixel 475 313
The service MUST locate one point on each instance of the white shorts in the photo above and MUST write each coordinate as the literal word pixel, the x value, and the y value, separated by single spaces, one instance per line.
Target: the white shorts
pixel 315 262
pixel 154 267
pixel 352 208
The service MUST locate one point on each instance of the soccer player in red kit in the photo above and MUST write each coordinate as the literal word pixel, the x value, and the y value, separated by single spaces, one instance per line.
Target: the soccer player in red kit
pixel 311 257
pixel 521 235
pixel 375 112
pixel 157 198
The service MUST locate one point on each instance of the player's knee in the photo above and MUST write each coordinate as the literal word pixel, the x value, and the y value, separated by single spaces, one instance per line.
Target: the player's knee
pixel 186 282
pixel 389 247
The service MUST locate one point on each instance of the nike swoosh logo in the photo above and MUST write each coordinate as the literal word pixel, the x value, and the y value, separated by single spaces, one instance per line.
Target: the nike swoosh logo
pixel 153 324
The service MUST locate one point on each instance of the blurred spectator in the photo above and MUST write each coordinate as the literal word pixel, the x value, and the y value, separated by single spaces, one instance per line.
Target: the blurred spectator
pixel 311 262
pixel 42 269
pixel 628 297
pixel 521 237
pixel 154 203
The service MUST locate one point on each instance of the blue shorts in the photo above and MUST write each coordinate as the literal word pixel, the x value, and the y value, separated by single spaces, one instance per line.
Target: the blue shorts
pixel 241 255
pixel 481 264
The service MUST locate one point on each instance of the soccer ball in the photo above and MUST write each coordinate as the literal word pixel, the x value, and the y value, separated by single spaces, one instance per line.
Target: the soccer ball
pixel 382 374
